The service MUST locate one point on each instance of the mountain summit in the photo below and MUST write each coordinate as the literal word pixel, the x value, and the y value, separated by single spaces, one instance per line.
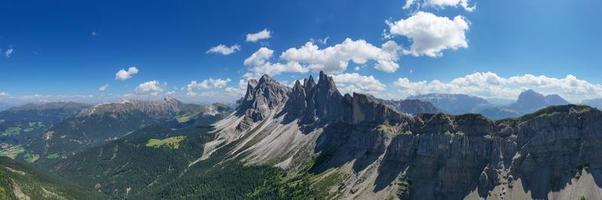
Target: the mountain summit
pixel 313 103
pixel 529 101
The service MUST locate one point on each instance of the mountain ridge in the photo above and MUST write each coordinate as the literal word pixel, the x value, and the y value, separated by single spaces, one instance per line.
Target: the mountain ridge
pixel 463 156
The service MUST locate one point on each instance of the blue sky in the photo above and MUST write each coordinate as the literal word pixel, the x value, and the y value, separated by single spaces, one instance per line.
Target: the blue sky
pixel 67 50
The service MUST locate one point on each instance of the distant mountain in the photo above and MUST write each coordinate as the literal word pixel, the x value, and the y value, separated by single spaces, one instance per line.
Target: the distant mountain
pixel 499 112
pixel 46 112
pixel 22 124
pixel 593 103
pixel 412 106
pixel 454 103
pixel 107 122
pixel 529 101
pixel 4 106
pixel 21 181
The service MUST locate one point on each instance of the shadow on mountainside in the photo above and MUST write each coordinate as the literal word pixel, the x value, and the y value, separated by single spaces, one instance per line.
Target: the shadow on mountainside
pixel 544 151
pixel 341 143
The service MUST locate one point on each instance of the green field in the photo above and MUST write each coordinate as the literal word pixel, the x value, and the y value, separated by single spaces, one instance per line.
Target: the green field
pixel 170 142
pixel 11 131
pixel 52 156
pixel 12 152
pixel 31 157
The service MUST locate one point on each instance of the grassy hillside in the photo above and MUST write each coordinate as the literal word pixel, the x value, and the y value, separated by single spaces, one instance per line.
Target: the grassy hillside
pixel 20 181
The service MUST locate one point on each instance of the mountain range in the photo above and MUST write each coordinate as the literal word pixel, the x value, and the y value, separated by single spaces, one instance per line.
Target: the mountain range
pixel 528 101
pixel 310 141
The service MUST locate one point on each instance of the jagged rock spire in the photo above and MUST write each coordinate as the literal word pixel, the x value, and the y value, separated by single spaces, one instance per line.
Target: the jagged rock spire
pixel 309 83
pixel 310 102
pixel 261 97
pixel 327 83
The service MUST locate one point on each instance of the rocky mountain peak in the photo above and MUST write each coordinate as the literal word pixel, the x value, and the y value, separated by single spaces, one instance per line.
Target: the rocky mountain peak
pixel 309 83
pixel 326 84
pixel 530 100
pixel 297 85
pixel 49 106
pixel 261 97
pixel 528 96
pixel 555 99
pixel 310 102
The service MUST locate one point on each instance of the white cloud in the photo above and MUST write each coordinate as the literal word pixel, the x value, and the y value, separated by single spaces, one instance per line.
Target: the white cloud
pixel 3 94
pixel 335 59
pixel 103 87
pixel 242 86
pixel 206 84
pixel 261 35
pixel 354 82
pixel 408 4
pixel 259 64
pixel 9 52
pixel 122 74
pixel 490 85
pixel 150 87
pixel 93 34
pixel 441 4
pixel 431 34
pixel 224 50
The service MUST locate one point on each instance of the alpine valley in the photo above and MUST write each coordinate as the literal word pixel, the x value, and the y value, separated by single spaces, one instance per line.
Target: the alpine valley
pixel 308 141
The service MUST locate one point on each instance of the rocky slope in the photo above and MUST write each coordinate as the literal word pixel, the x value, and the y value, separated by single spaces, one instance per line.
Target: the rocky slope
pixel 379 153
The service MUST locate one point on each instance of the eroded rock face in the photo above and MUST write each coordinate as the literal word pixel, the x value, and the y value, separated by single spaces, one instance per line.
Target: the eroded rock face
pixel 542 153
pixel 262 97
pixel 436 156
pixel 368 109
pixel 314 103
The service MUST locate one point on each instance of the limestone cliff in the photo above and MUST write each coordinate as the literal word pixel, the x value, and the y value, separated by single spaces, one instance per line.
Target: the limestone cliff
pixel 383 153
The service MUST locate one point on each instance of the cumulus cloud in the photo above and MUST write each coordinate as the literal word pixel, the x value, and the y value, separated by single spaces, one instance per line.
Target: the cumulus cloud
pixel 150 87
pixel 9 52
pixel 242 86
pixel 441 4
pixel 261 35
pixel 354 82
pixel 259 64
pixel 490 85
pixel 431 34
pixel 335 59
pixel 103 87
pixel 224 50
pixel 122 74
pixel 206 84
